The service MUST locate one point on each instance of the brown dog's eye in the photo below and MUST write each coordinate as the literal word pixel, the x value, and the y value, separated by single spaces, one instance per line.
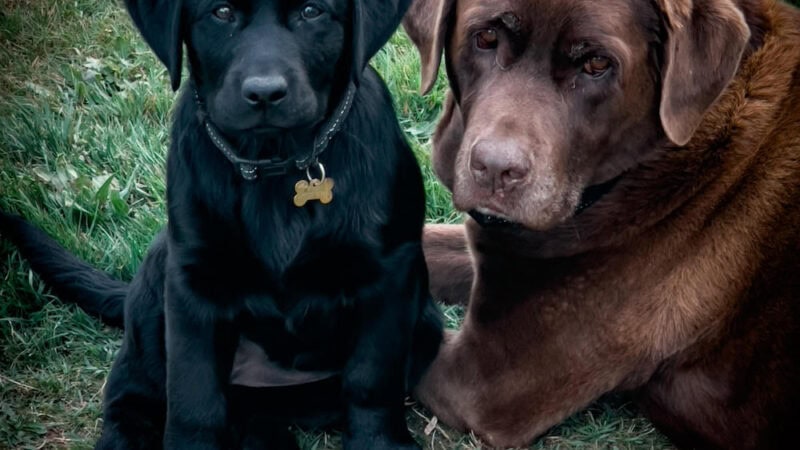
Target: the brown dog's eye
pixel 596 65
pixel 224 13
pixel 486 39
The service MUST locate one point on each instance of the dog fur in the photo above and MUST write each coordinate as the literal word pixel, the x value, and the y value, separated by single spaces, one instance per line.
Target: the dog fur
pixel 339 289
pixel 679 285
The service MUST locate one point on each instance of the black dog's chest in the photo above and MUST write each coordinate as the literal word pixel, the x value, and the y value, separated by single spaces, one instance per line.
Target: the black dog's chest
pixel 307 268
pixel 280 234
pixel 304 333
pixel 276 230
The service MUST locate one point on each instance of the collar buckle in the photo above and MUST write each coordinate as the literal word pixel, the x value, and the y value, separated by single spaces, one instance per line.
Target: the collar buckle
pixel 249 172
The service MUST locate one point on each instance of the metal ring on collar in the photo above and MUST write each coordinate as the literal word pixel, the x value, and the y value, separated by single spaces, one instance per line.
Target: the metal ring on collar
pixel 319 167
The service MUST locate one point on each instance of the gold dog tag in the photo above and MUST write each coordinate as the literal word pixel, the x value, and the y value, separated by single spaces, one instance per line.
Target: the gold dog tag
pixel 306 191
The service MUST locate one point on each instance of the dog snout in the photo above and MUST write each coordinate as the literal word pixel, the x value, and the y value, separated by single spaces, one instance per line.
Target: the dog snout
pixel 498 165
pixel 262 91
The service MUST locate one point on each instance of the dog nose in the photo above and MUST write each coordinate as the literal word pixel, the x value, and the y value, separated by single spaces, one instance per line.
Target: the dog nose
pixel 498 165
pixel 265 91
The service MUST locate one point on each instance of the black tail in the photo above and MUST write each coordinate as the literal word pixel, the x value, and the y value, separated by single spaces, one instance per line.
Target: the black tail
pixel 71 279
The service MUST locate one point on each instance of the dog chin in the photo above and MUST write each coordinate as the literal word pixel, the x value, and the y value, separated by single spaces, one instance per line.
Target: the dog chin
pixel 264 128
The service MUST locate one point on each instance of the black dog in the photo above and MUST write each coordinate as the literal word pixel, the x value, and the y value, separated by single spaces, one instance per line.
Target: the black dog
pixel 279 103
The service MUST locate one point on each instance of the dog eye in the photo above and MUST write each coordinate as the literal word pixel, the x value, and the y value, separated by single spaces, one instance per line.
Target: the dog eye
pixel 486 39
pixel 224 13
pixel 310 12
pixel 596 66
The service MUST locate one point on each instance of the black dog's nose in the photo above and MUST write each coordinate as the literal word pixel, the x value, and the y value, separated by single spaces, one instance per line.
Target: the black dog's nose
pixel 265 91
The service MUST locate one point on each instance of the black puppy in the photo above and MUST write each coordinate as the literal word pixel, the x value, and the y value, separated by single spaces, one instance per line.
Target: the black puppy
pixel 295 216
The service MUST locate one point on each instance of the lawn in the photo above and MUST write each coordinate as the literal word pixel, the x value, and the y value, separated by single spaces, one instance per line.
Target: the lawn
pixel 85 109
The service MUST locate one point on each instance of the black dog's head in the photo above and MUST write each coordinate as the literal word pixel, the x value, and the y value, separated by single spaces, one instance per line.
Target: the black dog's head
pixel 267 65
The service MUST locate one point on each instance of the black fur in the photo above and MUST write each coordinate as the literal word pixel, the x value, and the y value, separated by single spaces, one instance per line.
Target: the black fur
pixel 70 278
pixel 339 287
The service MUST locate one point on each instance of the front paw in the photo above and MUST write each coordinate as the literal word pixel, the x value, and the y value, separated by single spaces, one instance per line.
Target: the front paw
pixel 379 443
pixel 197 440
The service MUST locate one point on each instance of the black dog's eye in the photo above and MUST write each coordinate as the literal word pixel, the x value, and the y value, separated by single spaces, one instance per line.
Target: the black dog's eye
pixel 596 66
pixel 310 12
pixel 224 13
pixel 486 39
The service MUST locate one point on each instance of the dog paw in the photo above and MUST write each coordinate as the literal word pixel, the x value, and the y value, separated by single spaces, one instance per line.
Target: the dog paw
pixel 380 445
pixel 380 442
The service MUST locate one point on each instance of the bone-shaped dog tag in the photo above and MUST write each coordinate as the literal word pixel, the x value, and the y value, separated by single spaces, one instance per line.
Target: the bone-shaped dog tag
pixel 306 191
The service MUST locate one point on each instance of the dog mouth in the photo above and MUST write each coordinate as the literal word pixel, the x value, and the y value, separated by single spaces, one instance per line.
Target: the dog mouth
pixel 271 130
pixel 262 123
pixel 490 219
pixel 265 130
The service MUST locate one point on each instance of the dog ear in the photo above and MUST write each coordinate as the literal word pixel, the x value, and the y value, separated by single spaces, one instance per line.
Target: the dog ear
pixel 447 141
pixel 427 24
pixel 705 43
pixel 160 22
pixel 374 22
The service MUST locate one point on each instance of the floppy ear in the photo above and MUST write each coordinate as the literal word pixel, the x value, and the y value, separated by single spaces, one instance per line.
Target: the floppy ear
pixel 374 22
pixel 160 23
pixel 705 43
pixel 427 24
pixel 447 141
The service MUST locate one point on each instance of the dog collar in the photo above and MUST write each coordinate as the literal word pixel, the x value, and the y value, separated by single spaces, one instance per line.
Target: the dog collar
pixel 593 194
pixel 250 169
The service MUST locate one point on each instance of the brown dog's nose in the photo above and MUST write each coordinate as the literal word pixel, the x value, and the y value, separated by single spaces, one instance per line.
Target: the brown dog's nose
pixel 498 165
pixel 265 91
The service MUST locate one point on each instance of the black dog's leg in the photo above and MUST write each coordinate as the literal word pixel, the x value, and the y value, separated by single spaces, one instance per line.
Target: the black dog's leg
pixel 259 432
pixel 258 420
pixel 135 403
pixel 428 336
pixel 375 375
pixel 200 350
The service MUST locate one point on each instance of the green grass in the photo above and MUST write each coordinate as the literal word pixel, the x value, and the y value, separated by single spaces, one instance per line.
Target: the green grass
pixel 84 110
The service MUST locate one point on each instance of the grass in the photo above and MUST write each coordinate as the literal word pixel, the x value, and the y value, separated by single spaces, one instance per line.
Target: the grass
pixel 85 109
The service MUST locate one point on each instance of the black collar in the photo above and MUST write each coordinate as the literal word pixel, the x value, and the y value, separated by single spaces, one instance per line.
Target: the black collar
pixel 593 194
pixel 250 169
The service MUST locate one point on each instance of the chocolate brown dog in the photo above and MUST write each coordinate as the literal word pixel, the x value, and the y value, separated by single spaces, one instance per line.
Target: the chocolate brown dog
pixel 632 169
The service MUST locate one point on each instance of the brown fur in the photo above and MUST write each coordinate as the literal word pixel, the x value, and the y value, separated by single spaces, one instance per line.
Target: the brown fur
pixel 681 284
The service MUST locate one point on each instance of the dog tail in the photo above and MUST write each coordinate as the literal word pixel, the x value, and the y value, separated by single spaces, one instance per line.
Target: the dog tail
pixel 71 279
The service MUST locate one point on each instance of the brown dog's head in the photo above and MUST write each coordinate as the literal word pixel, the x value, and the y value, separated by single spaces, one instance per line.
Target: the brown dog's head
pixel 549 97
